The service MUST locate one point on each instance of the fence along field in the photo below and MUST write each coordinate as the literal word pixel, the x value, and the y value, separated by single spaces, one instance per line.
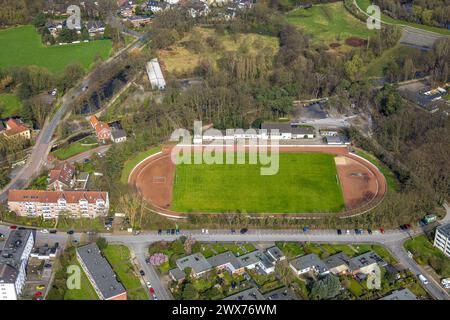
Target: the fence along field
pixel 22 46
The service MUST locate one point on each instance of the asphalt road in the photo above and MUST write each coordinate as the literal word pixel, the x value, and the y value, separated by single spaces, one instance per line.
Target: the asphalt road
pixel 393 240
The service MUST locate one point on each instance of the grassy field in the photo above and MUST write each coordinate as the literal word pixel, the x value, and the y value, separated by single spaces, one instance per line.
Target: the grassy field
pixel 76 148
pixel 329 22
pixel 306 182
pixel 377 65
pixel 425 253
pixel 391 180
pixel 22 46
pixel 86 291
pixel 363 4
pixel 10 105
pixel 130 164
pixel 119 258
pixel 180 59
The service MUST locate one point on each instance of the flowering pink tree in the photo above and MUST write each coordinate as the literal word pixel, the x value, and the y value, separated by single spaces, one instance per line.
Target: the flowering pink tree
pixel 158 259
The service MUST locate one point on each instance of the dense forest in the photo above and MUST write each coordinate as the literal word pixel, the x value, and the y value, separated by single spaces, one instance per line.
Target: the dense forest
pixel 429 12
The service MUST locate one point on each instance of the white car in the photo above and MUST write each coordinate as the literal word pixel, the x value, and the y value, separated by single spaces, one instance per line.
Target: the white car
pixel 149 284
pixel 45 231
pixel 423 279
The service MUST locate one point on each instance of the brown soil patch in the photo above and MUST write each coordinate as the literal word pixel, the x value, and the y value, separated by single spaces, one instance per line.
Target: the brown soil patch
pixel 355 42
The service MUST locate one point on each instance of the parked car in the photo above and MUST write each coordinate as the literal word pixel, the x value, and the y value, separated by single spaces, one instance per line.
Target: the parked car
pixel 244 230
pixel 21 228
pixel 151 290
pixel 40 287
pixel 233 231
pixel 382 230
pixel 149 285
pixel 53 231
pixel 2 236
pixel 38 294
pixel 13 227
pixel 357 231
pixel 369 231
pixel 45 231
pixel 141 272
pixel 347 232
pixel 339 231
pixel 172 231
pixel 408 226
pixel 423 279
pixel 159 231
pixel 305 229
pixel 70 232
pixel 155 297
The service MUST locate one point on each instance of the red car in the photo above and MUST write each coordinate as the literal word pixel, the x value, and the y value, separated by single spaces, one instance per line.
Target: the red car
pixel 382 230
pixel 13 227
pixel 38 294
pixel 152 291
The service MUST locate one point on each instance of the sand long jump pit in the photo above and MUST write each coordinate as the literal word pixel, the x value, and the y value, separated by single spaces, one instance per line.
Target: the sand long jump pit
pixel 312 182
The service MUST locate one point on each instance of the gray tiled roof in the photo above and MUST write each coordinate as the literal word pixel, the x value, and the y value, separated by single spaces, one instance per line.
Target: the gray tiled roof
pixel 402 294
pixel 337 260
pixel 445 230
pixel 196 262
pixel 100 270
pixel 255 257
pixel 311 260
pixel 280 294
pixel 249 294
pixel 224 258
pixel 366 259
pixel 177 274
pixel 11 254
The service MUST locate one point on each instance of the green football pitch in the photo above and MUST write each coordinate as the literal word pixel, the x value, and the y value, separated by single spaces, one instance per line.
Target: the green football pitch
pixel 305 182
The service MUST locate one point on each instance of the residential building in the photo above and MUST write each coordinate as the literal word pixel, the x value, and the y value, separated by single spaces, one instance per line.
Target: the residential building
pixel 102 129
pixel 366 263
pixel 61 178
pixel 402 294
pixel 45 252
pixel 226 261
pixel 309 263
pixel 338 263
pixel 177 275
pixel 118 136
pixel 259 260
pixel 155 75
pixel 276 254
pixel 196 262
pixel 16 129
pixel 157 6
pixel 95 27
pixel 442 239
pixel 100 274
pixel 50 204
pixel 249 294
pixel 139 21
pixel 13 263
pixel 280 294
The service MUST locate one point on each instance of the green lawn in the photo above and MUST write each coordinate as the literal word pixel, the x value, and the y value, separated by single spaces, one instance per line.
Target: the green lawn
pixel 329 22
pixel 22 46
pixel 391 180
pixel 376 67
pixel 363 4
pixel 291 249
pixel 86 291
pixel 10 105
pixel 305 182
pixel 119 258
pixel 76 148
pixel 425 253
pixel 130 164
pixel 234 248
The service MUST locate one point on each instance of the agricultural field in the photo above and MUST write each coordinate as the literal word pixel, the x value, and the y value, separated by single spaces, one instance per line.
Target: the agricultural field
pixel 22 46
pixel 363 4
pixel 329 23
pixel 298 187
pixel 180 59
pixel 10 105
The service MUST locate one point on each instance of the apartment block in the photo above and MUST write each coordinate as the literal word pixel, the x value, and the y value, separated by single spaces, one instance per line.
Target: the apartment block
pixel 51 204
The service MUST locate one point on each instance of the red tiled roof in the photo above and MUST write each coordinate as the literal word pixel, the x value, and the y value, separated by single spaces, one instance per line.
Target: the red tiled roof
pixel 62 174
pixel 14 127
pixel 53 196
